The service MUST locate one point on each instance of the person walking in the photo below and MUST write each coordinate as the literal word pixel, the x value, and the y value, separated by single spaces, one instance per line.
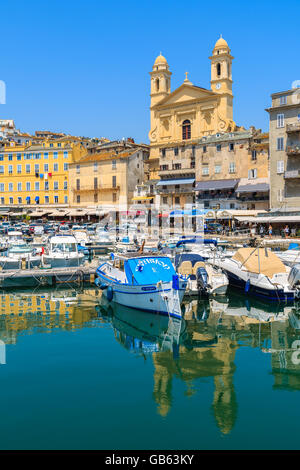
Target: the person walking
pixel 286 231
pixel 270 231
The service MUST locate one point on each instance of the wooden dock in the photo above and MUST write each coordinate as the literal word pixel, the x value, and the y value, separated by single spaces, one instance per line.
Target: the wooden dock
pixel 49 276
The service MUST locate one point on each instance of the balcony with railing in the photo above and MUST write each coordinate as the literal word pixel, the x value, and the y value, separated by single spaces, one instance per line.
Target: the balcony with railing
pixel 96 188
pixel 292 174
pixel 293 127
pixel 293 150
pixel 188 190
pixel 175 171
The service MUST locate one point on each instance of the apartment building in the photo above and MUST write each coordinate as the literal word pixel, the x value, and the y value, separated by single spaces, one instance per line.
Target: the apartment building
pixel 285 150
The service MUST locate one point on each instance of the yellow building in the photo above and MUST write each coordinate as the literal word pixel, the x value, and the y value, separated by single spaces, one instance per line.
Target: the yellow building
pixel 37 173
pixel 107 175
pixel 190 112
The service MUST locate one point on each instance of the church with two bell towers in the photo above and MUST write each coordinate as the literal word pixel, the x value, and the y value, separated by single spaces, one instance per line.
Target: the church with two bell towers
pixel 190 112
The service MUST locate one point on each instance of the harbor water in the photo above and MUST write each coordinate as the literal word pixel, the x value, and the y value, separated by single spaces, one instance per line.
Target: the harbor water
pixel 79 373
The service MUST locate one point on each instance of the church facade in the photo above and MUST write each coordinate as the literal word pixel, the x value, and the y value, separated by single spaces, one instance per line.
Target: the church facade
pixel 190 112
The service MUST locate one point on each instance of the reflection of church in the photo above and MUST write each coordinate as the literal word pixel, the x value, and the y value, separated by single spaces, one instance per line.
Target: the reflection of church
pixel 210 352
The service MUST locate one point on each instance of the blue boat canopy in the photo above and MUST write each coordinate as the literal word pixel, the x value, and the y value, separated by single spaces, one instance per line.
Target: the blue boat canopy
pixel 149 270
pixel 206 241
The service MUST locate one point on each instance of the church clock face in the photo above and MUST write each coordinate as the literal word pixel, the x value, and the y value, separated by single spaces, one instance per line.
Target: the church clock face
pixel 218 86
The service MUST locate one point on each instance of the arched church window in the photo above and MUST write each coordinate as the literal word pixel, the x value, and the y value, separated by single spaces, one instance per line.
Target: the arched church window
pixel 218 69
pixel 186 129
pixel 157 84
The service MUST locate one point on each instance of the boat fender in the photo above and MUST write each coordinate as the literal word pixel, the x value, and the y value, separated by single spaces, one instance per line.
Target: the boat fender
pixel 110 293
pixel 247 286
pixel 175 282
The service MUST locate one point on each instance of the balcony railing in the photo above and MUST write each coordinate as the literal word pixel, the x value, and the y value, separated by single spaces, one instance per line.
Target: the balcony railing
pixel 108 187
pixel 292 174
pixel 293 150
pixel 294 127
pixel 178 171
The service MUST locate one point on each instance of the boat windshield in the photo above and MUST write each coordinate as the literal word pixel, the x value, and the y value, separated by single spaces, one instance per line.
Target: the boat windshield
pixel 63 247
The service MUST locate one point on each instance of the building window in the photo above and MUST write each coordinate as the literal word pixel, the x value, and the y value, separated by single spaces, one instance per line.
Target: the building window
pixel 46 199
pixel 10 169
pixel 280 195
pixel 232 167
pixel 1 169
pixel 66 199
pixel 95 166
pixel 218 168
pixel 165 200
pixel 177 166
pixel 55 199
pixel 65 184
pixel 46 185
pixel 218 147
pixel 66 166
pixel 204 149
pixel 95 197
pixel 77 169
pixel 253 155
pixel 218 69
pixel 231 147
pixel 46 157
pixel 280 143
pixel 176 151
pixel 36 168
pixel 27 168
pixel 19 186
pixel 95 183
pixel 55 167
pixel 283 100
pixel 2 188
pixel 19 200
pixel 28 186
pixel 78 199
pixel 163 152
pixel 114 164
pixel 2 200
pixel 19 156
pixel 78 184
pixel 10 157
pixel 280 120
pixel 55 185
pixel 177 200
pixel 205 170
pixel 186 129
pixel 114 181
pixel 37 186
pixel 66 154
pixel 252 174
pixel 11 200
pixel 55 155
pixel 46 167
pixel 10 187
pixel 280 167
pixel 114 197
pixel 19 169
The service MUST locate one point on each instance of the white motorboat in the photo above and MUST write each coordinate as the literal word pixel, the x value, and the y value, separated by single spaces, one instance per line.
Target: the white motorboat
pixel 144 282
pixel 20 256
pixel 203 278
pixel 260 272
pixel 63 252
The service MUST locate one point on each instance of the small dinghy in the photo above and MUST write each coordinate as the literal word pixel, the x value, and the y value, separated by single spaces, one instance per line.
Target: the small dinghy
pixel 144 282
pixel 203 279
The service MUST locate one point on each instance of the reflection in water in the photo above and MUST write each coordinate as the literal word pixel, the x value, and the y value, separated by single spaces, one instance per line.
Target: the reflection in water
pixel 202 345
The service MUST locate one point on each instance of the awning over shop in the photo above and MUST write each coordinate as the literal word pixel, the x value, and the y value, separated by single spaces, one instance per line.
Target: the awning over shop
pixel 234 213
pixel 142 198
pixel 176 181
pixel 271 219
pixel 38 213
pixel 58 213
pixel 214 185
pixel 77 213
pixel 253 188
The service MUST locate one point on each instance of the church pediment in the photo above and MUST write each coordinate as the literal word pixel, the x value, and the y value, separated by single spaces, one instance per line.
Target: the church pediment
pixel 185 94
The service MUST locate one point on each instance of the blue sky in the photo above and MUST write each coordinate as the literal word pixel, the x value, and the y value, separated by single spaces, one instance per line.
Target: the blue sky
pixel 82 67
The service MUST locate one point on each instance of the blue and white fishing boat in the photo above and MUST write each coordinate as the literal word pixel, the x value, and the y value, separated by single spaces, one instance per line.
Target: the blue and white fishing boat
pixel 144 282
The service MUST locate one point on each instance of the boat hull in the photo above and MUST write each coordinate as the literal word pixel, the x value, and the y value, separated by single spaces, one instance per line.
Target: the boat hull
pixel 162 299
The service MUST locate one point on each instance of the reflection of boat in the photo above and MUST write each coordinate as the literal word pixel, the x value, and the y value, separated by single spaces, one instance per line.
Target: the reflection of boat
pixel 143 332
pixel 144 282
